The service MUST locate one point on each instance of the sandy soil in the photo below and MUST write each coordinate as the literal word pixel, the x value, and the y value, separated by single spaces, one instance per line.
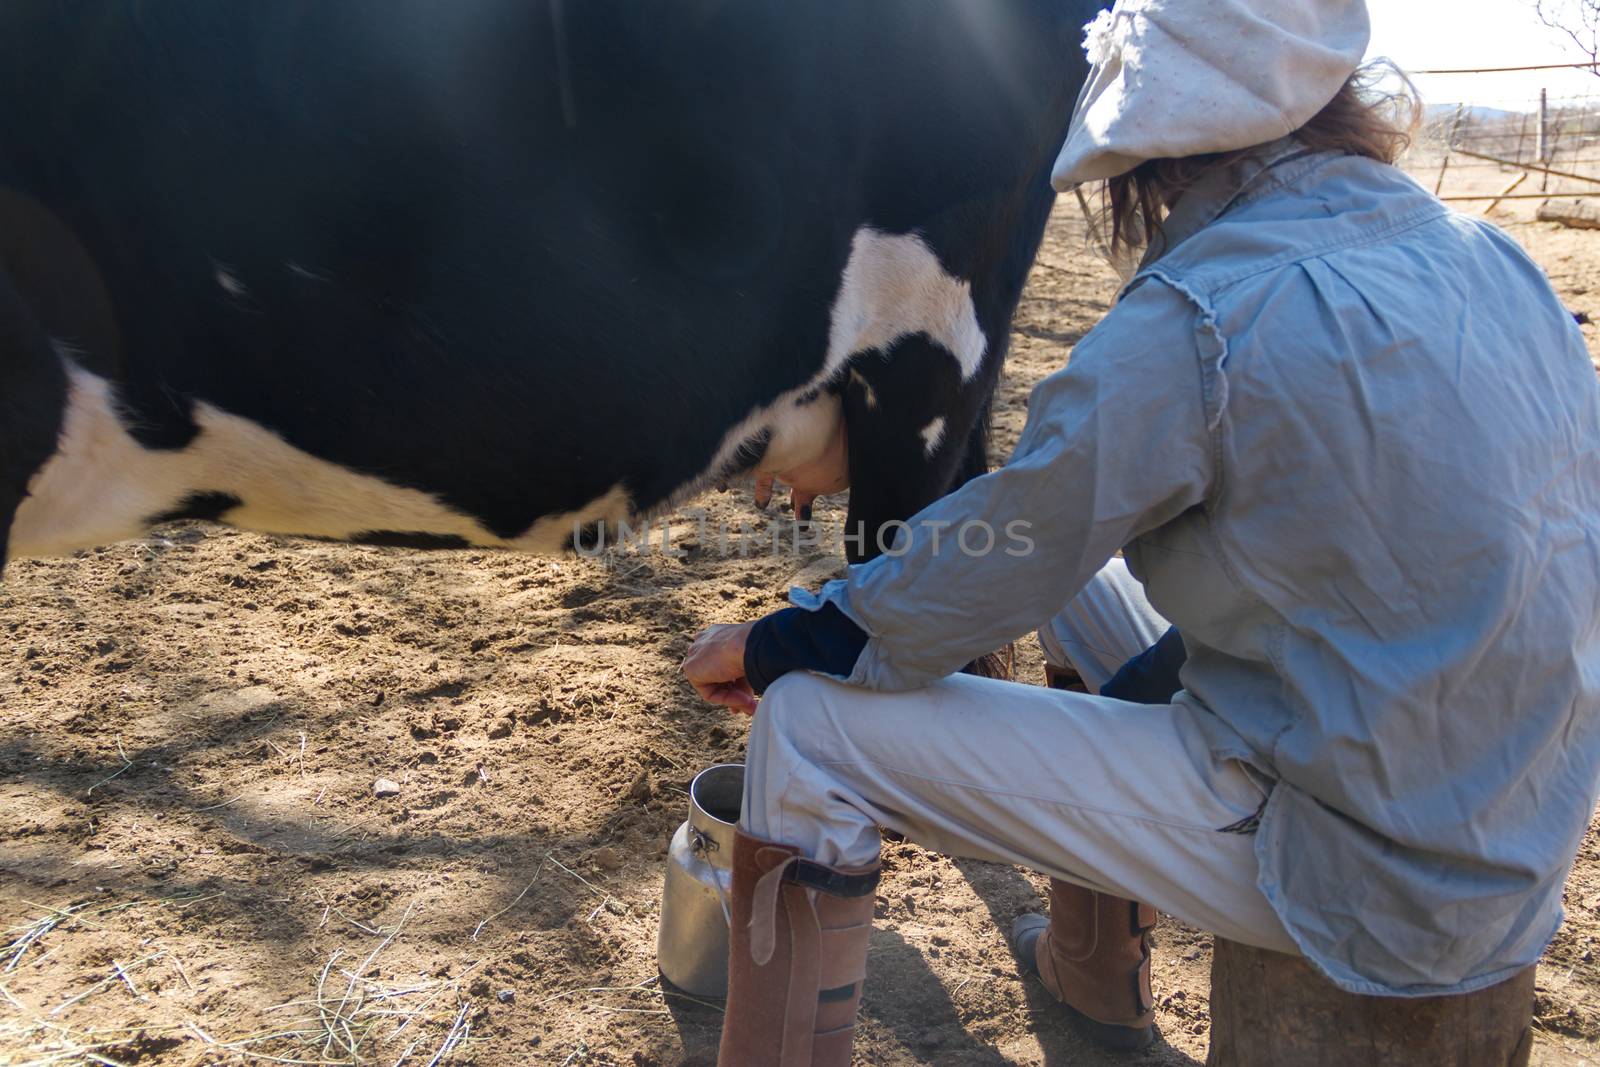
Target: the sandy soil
pixel 194 868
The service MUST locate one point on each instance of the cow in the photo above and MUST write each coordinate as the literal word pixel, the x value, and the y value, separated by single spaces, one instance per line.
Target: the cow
pixel 507 272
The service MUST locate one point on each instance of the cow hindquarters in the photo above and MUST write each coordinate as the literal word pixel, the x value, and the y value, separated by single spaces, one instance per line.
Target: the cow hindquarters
pixel 33 399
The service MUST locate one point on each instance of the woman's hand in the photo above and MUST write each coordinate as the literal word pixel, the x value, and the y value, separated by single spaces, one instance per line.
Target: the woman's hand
pixel 715 667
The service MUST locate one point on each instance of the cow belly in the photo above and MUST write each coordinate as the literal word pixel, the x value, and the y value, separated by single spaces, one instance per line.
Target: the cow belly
pixel 102 486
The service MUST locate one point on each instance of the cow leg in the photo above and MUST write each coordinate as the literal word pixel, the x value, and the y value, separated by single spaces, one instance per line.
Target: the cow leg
pixel 33 398
pixel 916 432
pixel 975 464
pixel 975 460
pixel 910 420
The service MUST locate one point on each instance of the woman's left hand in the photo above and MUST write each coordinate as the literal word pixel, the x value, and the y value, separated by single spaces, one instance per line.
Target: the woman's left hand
pixel 715 667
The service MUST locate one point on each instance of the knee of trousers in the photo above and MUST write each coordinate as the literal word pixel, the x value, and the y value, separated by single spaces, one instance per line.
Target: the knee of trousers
pixel 799 727
pixel 792 795
pixel 792 711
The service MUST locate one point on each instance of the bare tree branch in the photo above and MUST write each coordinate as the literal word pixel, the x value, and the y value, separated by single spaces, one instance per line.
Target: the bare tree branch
pixel 1578 19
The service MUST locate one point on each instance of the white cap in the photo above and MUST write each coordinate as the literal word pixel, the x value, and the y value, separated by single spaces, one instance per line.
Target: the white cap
pixel 1176 78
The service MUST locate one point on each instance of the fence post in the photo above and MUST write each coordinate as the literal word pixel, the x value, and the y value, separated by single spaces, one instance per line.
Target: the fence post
pixel 1544 120
pixel 1449 145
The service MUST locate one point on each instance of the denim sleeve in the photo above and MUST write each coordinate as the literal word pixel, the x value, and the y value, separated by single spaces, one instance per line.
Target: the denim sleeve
pixel 1116 445
pixel 793 639
pixel 1151 677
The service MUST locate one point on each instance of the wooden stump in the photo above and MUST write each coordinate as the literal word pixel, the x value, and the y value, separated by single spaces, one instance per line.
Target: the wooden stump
pixel 1272 1010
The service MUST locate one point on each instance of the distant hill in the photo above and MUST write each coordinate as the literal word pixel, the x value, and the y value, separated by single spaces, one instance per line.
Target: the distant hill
pixel 1446 112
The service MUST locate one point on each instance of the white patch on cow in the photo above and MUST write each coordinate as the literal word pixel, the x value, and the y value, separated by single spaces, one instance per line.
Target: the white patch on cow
pixel 552 533
pixel 868 393
pixel 302 271
pixel 932 436
pixel 893 286
pixel 229 282
pixel 101 486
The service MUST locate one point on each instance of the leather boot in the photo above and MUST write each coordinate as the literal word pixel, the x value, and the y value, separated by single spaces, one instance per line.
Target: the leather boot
pixel 797 957
pixel 1093 955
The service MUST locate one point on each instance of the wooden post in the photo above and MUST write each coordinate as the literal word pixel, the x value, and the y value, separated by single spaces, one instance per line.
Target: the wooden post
pixel 1449 146
pixel 1507 191
pixel 1272 1010
pixel 1552 146
pixel 1544 131
pixel 1438 186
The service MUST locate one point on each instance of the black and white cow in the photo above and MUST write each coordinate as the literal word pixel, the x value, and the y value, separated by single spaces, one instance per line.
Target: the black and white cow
pixel 488 272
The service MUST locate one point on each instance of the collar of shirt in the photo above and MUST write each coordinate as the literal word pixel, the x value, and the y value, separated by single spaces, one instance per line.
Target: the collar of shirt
pixel 1221 189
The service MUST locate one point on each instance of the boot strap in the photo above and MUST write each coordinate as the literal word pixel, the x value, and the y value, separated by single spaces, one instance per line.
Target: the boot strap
pixel 844 956
pixel 799 871
pixel 805 965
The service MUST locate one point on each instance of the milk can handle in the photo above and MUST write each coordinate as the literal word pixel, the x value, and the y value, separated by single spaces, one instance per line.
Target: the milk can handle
pixel 702 845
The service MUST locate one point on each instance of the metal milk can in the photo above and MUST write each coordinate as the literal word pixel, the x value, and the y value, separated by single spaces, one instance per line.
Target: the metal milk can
pixel 692 942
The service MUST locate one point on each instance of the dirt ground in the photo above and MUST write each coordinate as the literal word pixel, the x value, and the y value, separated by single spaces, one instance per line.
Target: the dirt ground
pixel 195 868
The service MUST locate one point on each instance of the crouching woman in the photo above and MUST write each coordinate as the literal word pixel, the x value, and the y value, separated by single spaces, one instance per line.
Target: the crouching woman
pixel 1348 444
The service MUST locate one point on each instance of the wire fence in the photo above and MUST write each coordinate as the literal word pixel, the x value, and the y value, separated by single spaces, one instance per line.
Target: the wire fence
pixel 1486 151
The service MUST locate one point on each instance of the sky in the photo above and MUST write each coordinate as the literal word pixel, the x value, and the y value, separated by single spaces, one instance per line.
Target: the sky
pixel 1431 34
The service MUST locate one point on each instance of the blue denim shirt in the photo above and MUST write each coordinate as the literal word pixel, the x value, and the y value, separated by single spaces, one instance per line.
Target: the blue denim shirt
pixel 1350 442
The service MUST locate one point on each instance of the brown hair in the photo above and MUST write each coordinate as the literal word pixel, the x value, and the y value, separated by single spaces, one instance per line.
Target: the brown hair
pixel 1362 120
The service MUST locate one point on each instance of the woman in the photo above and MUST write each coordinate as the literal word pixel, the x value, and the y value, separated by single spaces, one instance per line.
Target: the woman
pixel 1349 444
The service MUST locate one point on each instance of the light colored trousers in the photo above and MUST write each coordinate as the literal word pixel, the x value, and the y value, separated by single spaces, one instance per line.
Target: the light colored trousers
pixel 1122 798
